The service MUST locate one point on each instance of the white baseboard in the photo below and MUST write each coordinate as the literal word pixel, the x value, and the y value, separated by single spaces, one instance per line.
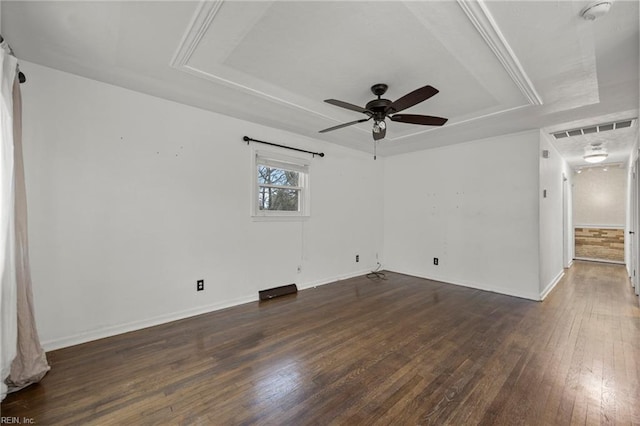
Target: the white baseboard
pixel 590 259
pixel 330 280
pixel 551 285
pixel 103 332
pixel 470 284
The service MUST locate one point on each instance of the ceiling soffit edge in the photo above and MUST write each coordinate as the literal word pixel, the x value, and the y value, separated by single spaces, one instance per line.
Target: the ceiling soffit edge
pixel 468 120
pixel 196 30
pixel 481 18
pixel 475 10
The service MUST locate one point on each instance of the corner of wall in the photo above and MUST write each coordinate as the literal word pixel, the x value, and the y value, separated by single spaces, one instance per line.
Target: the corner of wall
pixel 463 204
pixel 629 208
pixel 551 209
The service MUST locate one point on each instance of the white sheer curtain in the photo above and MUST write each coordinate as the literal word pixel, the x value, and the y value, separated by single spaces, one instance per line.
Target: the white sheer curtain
pixel 22 359
pixel 8 293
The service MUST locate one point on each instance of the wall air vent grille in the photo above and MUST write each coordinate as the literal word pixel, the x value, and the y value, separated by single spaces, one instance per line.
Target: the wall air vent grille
pixel 594 129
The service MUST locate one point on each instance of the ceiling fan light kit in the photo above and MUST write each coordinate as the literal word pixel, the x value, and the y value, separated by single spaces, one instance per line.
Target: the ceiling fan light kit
pixel 379 125
pixel 379 109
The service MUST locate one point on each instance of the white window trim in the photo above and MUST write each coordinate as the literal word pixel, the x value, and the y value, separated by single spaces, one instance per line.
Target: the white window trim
pixel 279 160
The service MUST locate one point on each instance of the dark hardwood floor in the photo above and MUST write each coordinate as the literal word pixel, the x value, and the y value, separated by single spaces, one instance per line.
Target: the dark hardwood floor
pixel 401 351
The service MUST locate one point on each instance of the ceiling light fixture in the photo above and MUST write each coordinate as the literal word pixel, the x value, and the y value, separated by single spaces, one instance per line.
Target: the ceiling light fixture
pixel 595 157
pixel 595 153
pixel 596 9
pixel 378 126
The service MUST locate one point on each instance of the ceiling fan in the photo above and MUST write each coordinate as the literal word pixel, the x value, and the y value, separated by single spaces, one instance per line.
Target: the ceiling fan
pixel 380 109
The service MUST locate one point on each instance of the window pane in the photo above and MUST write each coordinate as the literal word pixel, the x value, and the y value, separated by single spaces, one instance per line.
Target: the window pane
pixel 273 176
pixel 278 199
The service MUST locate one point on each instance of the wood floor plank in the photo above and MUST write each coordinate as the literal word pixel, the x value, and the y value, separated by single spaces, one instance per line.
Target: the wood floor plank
pixel 398 351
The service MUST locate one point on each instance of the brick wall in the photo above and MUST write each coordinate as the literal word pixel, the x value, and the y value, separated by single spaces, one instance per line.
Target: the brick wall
pixel 600 243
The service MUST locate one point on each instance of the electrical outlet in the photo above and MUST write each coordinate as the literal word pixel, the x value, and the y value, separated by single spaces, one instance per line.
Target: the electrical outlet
pixel 435 261
pixel 200 285
pixel 357 258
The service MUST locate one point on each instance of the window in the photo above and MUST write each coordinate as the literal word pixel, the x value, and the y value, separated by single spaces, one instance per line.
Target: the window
pixel 281 186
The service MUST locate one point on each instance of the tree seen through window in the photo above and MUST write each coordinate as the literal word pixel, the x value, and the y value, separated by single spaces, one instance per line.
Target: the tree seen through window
pixel 279 189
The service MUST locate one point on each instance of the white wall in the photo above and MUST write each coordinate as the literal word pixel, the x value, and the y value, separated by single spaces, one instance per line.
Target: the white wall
pixel 474 206
pixel 551 211
pixel 599 197
pixel 133 198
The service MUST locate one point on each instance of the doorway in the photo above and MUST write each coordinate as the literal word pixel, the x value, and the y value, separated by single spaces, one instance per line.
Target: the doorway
pixel 600 196
pixel 633 227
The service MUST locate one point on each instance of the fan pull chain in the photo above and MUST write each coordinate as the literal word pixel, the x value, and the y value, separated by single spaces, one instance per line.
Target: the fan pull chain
pixel 375 144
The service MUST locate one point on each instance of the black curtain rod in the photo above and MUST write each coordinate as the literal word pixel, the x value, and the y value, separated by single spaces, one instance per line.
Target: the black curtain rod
pixel 247 139
pixel 21 77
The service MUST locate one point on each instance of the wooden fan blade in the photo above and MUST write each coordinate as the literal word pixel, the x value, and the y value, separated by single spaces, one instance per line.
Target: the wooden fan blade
pixel 380 135
pixel 426 120
pixel 411 99
pixel 346 105
pixel 340 126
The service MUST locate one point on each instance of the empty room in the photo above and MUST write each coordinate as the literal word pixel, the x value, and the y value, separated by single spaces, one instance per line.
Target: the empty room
pixel 319 212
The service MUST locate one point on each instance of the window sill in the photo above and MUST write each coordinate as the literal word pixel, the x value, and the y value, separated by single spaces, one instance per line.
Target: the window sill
pixel 267 218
